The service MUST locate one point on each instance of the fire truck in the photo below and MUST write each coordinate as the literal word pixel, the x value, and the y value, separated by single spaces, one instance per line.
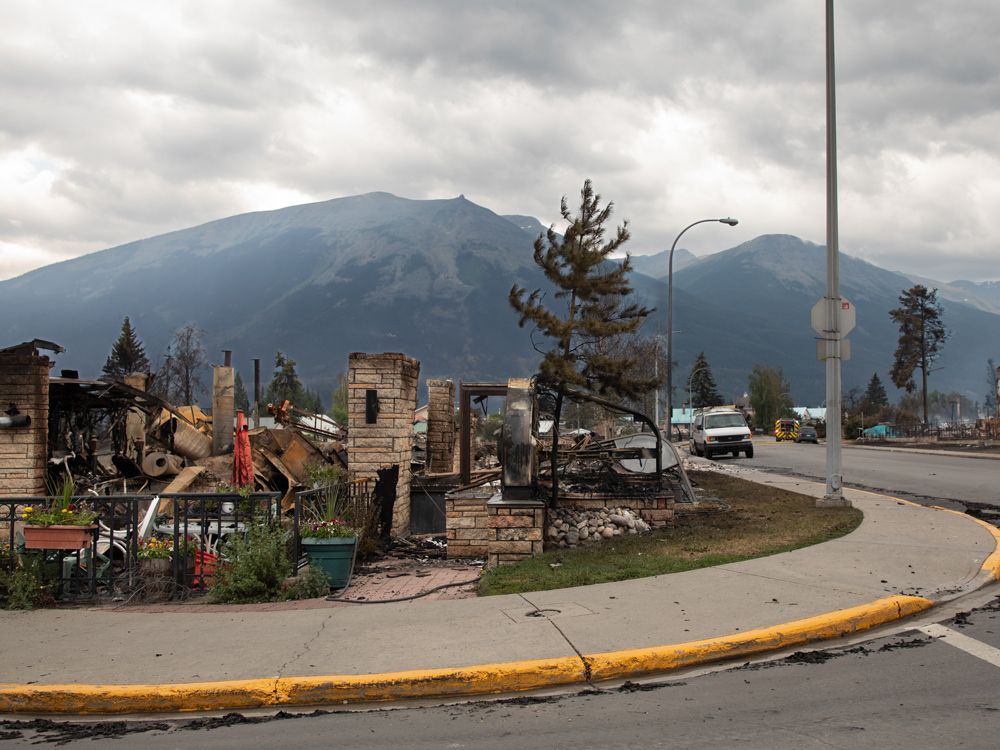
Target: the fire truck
pixel 786 429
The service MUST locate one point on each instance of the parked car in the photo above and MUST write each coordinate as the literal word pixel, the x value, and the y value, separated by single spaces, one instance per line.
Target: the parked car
pixel 807 434
pixel 720 430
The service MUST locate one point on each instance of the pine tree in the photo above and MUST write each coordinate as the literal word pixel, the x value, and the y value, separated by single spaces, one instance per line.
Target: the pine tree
pixel 921 337
pixel 990 404
pixel 875 397
pixel 127 355
pixel 338 400
pixel 285 383
pixel 240 398
pixel 702 384
pixel 595 293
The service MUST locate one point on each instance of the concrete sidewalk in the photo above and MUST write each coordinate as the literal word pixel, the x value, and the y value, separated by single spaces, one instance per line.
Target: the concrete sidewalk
pixel 925 451
pixel 922 554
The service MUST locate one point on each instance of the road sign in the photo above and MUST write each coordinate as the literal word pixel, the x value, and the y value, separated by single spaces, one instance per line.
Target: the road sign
pixel 827 349
pixel 848 316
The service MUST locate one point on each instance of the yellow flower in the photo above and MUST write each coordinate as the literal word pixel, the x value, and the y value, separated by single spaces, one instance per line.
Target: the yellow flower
pixel 29 509
pixel 64 510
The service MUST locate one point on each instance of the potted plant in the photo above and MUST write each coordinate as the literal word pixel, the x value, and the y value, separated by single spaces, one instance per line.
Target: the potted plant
pixel 330 545
pixel 154 566
pixel 62 524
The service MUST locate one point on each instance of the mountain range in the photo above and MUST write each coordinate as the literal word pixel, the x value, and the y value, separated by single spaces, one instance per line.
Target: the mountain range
pixel 430 278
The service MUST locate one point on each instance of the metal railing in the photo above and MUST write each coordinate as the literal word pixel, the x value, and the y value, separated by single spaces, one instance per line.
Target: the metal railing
pixel 351 500
pixel 110 566
pixel 197 523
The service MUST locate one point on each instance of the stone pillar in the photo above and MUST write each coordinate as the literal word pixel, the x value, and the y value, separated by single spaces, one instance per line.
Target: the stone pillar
pixel 440 427
pixel 24 383
pixel 223 401
pixel 380 423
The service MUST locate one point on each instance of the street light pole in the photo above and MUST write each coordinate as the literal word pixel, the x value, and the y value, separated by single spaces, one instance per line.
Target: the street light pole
pixel 834 496
pixel 669 411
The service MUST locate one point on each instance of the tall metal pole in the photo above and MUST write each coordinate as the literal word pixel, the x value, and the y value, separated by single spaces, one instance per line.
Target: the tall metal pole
pixel 669 410
pixel 834 474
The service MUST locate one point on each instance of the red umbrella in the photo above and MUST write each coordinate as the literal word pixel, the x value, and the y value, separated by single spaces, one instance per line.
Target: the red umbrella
pixel 242 460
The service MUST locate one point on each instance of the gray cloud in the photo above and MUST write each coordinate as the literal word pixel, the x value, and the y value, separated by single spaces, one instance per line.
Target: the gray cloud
pixel 120 122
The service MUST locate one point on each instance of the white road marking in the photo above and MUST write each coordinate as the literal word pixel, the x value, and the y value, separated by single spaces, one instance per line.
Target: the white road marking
pixel 969 645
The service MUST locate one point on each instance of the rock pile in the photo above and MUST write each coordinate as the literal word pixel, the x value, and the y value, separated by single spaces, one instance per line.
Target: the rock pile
pixel 570 528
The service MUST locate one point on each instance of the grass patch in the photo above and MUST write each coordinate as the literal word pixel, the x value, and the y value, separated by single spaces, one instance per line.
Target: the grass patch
pixel 760 521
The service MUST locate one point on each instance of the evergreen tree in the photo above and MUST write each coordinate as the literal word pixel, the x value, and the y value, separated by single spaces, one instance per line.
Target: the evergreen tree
pixel 702 384
pixel 921 337
pixel 338 401
pixel 875 397
pixel 240 398
pixel 596 298
pixel 285 385
pixel 990 404
pixel 127 355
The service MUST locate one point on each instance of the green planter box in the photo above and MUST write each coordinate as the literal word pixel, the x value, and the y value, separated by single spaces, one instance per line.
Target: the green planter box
pixel 333 556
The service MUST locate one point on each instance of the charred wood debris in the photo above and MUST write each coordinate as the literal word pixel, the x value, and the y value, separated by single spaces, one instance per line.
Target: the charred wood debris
pixel 115 437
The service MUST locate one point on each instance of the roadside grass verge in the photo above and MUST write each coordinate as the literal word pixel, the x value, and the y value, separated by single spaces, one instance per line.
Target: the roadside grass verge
pixel 759 521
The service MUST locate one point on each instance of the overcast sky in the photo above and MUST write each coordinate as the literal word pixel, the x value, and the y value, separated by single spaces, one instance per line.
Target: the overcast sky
pixel 122 120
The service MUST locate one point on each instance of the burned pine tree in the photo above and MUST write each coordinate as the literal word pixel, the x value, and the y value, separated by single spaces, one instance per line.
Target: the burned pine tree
pixel 595 291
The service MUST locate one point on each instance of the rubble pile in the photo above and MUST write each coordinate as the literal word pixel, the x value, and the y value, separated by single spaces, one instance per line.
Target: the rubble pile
pixel 569 527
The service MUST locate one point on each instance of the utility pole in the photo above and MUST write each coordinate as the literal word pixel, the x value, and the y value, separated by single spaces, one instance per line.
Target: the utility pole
pixel 834 496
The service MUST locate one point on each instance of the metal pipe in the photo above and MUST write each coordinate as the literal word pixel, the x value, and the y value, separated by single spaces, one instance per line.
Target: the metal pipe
pixel 18 420
pixel 256 393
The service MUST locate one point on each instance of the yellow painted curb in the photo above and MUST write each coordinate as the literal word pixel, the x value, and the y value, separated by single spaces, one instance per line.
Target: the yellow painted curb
pixel 441 683
pixel 291 691
pixel 619 664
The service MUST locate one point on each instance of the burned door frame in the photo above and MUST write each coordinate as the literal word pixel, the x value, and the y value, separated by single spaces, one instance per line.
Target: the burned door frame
pixel 466 392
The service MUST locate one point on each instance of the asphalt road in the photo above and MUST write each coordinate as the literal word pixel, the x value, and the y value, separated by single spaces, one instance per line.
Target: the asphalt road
pixel 909 690
pixel 917 476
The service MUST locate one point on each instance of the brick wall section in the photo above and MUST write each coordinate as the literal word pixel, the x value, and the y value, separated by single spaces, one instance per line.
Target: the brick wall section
pixel 467 526
pixel 517 532
pixel 24 381
pixel 440 426
pixel 388 442
pixel 656 510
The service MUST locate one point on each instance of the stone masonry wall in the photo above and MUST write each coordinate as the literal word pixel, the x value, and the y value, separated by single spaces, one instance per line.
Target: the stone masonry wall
pixel 440 426
pixel 517 533
pixel 501 532
pixel 467 526
pixel 389 441
pixel 24 381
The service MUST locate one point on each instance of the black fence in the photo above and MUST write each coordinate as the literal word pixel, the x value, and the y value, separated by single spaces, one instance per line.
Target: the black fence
pixel 351 501
pixel 197 525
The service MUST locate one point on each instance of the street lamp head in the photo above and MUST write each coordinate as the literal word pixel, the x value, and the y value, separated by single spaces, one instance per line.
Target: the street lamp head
pixel 730 221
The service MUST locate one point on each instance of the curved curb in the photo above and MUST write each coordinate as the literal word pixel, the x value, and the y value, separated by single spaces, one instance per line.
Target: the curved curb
pixel 991 565
pixel 481 679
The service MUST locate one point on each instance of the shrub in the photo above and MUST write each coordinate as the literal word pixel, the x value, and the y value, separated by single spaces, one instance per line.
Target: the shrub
pixel 310 584
pixel 253 566
pixel 21 587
